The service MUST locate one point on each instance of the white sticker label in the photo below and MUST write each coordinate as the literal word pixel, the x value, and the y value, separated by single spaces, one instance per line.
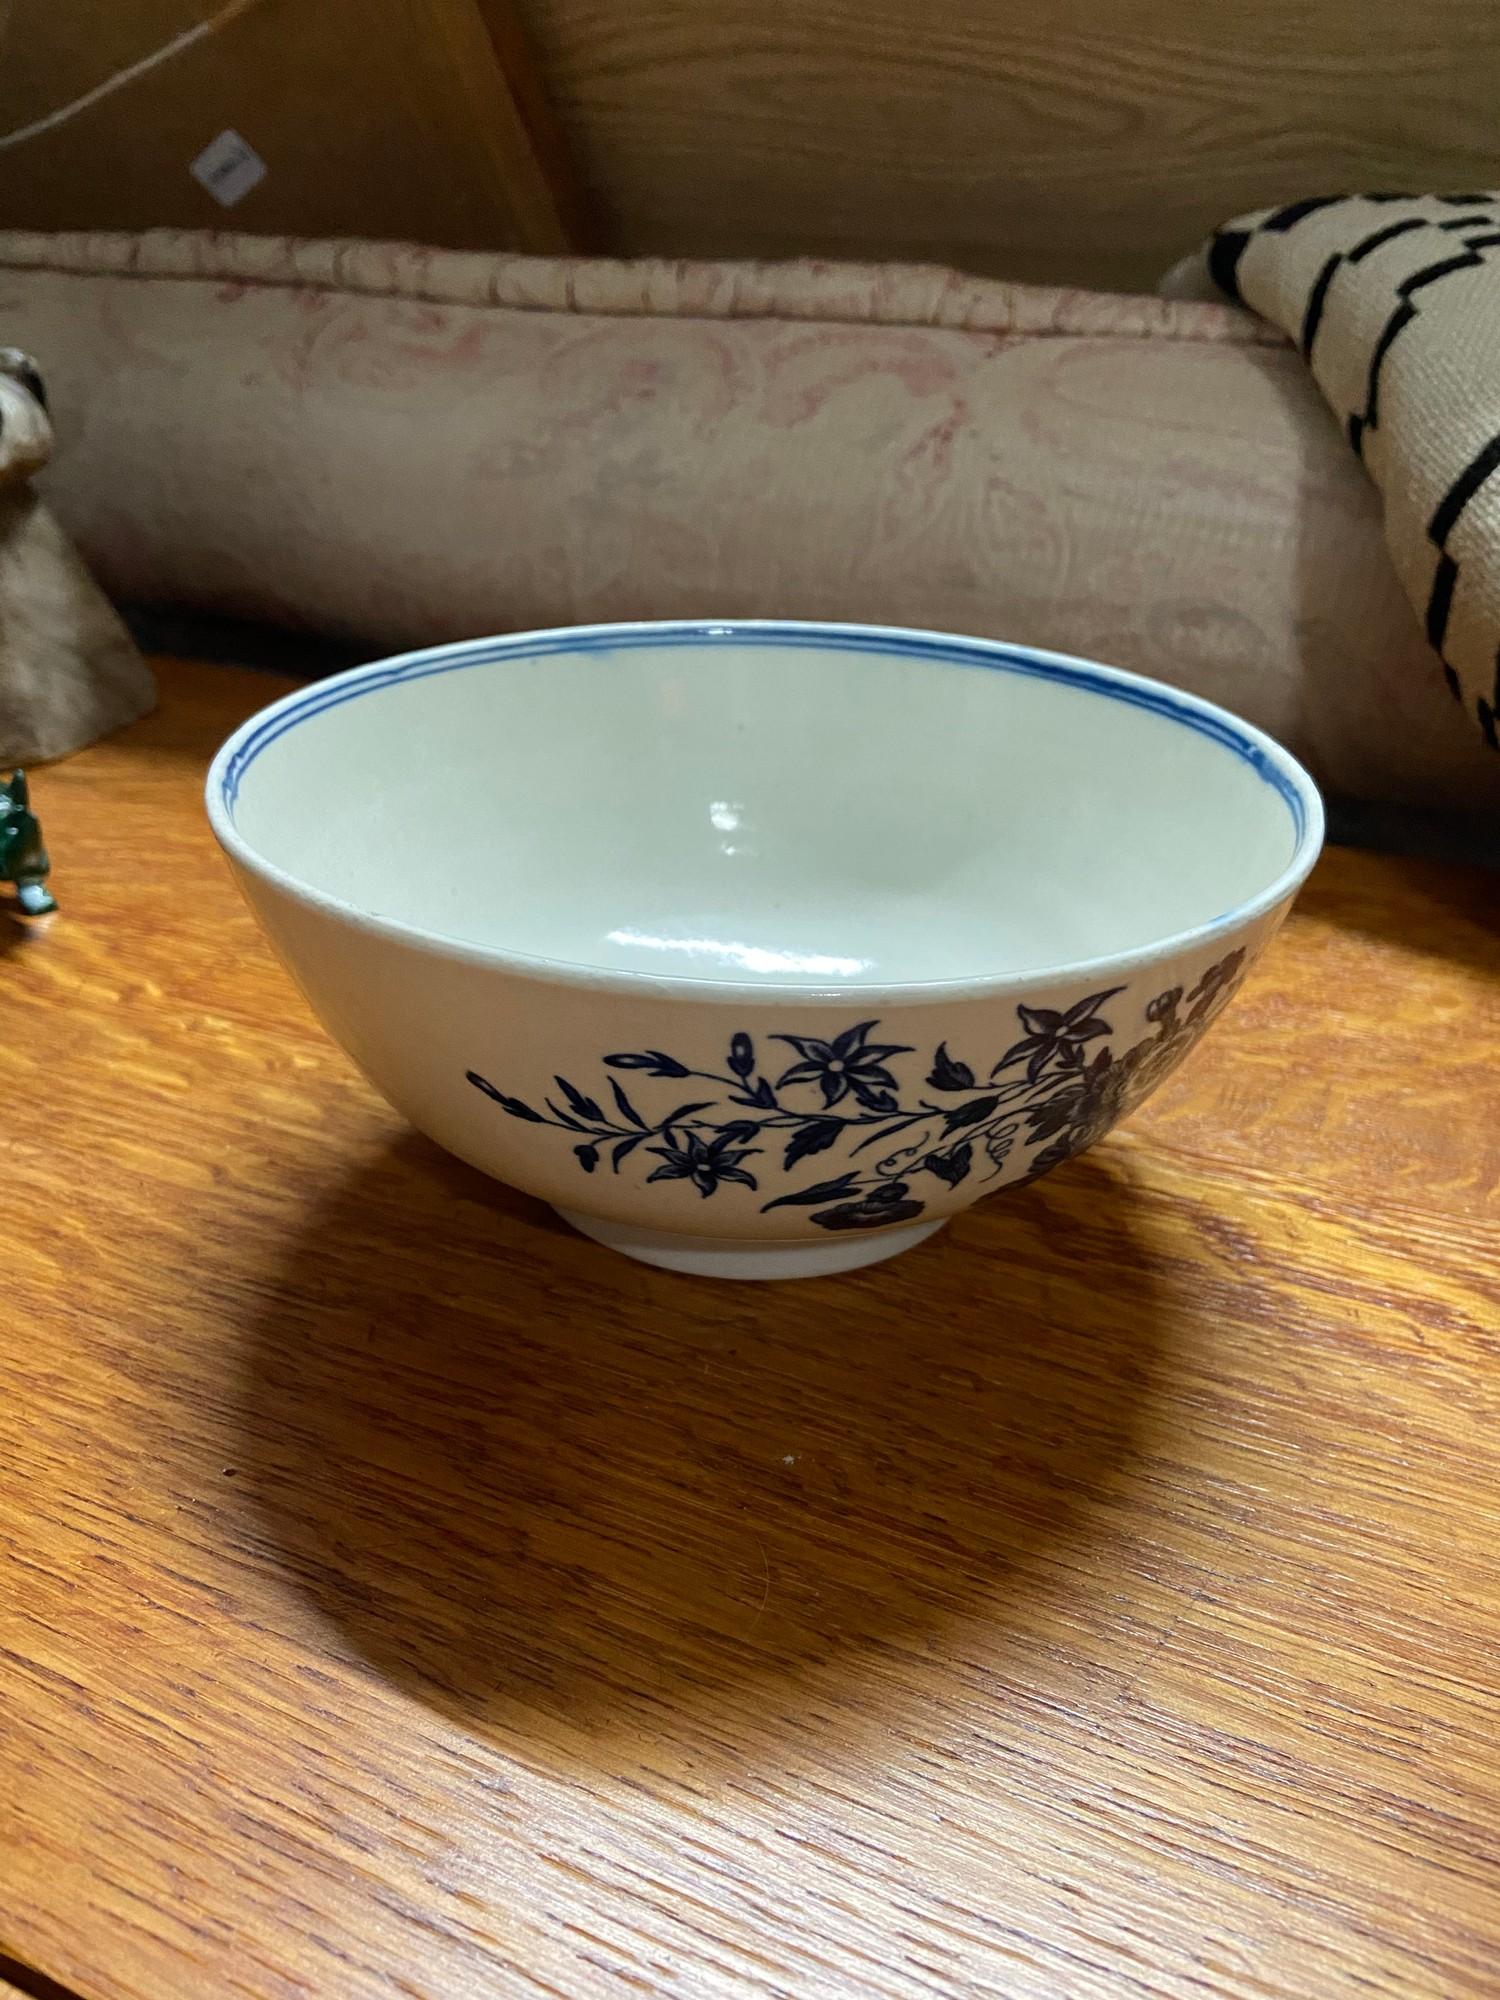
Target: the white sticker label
pixel 228 167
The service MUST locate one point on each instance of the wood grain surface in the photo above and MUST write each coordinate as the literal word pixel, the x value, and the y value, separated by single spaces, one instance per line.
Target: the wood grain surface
pixel 417 119
pixel 405 1597
pixel 1086 142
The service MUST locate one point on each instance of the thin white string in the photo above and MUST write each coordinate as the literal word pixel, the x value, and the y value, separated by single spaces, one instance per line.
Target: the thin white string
pixel 52 119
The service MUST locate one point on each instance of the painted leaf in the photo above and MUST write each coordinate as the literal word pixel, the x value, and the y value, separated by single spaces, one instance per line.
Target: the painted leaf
pixel 683 1111
pixel 815 1137
pixel 584 1106
pixel 949 1074
pixel 511 1104
pixel 969 1114
pixel 824 1191
pixel 953 1166
pixel 627 1109
pixel 650 1060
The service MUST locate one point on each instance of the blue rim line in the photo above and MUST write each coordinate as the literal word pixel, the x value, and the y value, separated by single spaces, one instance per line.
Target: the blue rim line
pixel 982 653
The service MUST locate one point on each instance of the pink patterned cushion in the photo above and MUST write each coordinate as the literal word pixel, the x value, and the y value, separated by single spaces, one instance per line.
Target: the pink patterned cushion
pixel 405 445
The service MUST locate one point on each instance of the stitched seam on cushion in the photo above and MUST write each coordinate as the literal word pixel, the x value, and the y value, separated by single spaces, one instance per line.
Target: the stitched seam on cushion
pixel 227 268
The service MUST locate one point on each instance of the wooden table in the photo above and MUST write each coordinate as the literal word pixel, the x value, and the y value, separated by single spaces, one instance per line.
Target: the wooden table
pixel 405 1597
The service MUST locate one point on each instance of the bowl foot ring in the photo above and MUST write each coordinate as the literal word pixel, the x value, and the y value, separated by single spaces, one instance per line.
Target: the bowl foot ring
pixel 728 1257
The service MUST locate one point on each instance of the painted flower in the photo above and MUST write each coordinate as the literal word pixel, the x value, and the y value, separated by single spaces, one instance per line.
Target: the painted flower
pixel 1143 1067
pixel 1214 984
pixel 1067 1085
pixel 705 1164
pixel 878 1210
pixel 1050 1034
pixel 1084 1108
pixel 1100 1095
pixel 850 1064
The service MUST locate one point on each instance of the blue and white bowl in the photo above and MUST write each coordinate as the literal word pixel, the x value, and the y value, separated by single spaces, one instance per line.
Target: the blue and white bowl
pixel 760 949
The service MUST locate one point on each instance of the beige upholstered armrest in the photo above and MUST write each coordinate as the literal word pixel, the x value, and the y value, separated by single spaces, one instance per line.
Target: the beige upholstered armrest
pixel 405 445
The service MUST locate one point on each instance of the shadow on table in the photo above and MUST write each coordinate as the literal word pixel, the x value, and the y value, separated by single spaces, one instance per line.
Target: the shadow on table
pixel 1429 907
pixel 527 1479
pixel 17 933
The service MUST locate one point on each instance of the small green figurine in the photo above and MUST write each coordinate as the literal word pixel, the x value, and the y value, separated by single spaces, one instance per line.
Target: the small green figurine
pixel 23 859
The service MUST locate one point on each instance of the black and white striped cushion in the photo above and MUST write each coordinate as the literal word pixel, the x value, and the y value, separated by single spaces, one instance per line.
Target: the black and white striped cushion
pixel 1394 301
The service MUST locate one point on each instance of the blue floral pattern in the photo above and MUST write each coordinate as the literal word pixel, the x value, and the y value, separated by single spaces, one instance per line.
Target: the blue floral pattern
pixel 1057 1088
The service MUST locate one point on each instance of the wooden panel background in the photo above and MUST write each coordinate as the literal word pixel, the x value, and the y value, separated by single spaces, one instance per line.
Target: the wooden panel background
pixel 1088 143
pixel 419 119
pixel 1092 141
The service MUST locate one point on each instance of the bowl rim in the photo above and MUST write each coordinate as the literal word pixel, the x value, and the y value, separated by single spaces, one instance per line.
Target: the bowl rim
pixel 1275 766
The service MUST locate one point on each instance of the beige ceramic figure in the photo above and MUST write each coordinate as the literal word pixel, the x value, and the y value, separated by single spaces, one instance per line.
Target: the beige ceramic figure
pixel 68 670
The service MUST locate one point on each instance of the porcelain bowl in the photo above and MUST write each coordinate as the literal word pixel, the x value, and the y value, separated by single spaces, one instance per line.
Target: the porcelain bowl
pixel 761 949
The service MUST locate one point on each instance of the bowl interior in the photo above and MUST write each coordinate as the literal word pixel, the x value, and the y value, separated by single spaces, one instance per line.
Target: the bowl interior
pixel 755 807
